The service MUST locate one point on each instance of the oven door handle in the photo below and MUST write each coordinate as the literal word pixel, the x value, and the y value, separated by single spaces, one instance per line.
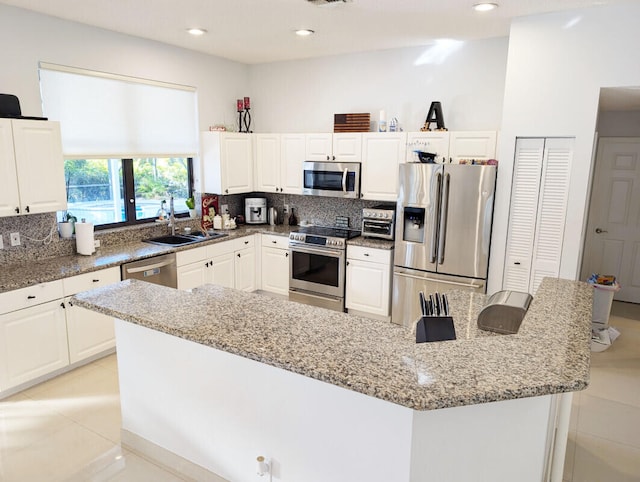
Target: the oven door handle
pixel 333 253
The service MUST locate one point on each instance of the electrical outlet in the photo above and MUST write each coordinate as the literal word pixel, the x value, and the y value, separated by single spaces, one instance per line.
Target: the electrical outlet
pixel 224 209
pixel 286 209
pixel 15 239
pixel 96 243
pixel 1 242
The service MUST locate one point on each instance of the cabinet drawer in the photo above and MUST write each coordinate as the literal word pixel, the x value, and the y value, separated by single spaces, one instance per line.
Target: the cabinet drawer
pixel 87 281
pixel 193 255
pixel 245 242
pixel 272 241
pixel 369 254
pixel 30 296
pixel 220 248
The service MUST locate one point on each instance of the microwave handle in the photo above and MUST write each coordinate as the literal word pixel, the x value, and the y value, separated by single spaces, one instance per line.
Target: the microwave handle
pixel 344 180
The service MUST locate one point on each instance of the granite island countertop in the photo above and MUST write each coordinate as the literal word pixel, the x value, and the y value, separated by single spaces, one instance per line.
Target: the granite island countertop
pixel 550 354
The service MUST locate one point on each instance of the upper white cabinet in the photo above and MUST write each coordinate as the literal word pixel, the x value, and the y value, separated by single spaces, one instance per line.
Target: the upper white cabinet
pixel 334 147
pixel 539 197
pixel 31 167
pixel 226 162
pixel 279 159
pixel 480 145
pixel 434 142
pixel 381 155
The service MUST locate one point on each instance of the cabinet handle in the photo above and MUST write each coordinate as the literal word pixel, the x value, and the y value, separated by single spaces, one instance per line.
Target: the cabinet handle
pixel 226 191
pixel 366 254
pixel 70 304
pixel 96 280
pixel 334 158
pixel 286 255
pixel 27 209
pixel 31 297
pixel 246 242
pixel 328 158
pixel 62 305
pixel 517 263
pixel 238 255
pixel 207 264
pixel 274 242
pixel 17 210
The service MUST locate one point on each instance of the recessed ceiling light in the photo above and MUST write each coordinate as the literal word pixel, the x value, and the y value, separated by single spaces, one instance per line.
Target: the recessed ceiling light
pixel 304 32
pixel 196 31
pixel 484 7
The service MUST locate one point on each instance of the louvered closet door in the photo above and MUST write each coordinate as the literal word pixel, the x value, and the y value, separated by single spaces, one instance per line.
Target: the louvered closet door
pixel 552 210
pixel 538 212
pixel 522 214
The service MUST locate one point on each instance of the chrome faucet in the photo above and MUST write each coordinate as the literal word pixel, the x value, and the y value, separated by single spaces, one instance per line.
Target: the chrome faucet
pixel 172 217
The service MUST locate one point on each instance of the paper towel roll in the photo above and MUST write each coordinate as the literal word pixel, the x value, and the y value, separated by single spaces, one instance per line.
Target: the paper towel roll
pixel 84 238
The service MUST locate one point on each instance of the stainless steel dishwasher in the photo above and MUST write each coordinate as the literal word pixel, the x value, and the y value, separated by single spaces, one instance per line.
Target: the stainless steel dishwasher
pixel 161 270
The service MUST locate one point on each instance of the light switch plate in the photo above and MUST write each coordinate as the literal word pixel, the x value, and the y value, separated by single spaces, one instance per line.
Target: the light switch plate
pixel 15 239
pixel 1 242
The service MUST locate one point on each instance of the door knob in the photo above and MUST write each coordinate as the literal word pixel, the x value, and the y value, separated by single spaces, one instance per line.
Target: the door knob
pixel 598 230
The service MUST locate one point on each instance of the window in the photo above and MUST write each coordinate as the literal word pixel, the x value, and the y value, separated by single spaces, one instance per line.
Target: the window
pixel 109 192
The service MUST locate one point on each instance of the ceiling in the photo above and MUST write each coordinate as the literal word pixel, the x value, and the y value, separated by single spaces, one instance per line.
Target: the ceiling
pixel 259 31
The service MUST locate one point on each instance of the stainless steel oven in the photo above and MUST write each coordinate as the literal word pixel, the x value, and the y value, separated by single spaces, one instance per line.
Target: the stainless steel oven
pixel 331 179
pixel 317 264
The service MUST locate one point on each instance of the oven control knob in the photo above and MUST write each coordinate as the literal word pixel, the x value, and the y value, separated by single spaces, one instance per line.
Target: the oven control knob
pixel 339 243
pixel 384 215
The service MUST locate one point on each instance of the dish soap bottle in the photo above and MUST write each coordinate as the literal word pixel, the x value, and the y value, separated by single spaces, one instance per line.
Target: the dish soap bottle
pixel 293 220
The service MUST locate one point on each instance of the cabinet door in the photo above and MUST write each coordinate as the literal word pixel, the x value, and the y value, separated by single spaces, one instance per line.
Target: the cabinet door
pixel 40 166
pixel 275 270
pixel 268 163
pixel 195 274
pixel 382 153
pixel 88 332
pixel 224 270
pixel 245 269
pixel 347 147
pixel 472 145
pixel 33 343
pixel 318 147
pixel 9 200
pixel 435 142
pixel 292 155
pixel 368 287
pixel 237 163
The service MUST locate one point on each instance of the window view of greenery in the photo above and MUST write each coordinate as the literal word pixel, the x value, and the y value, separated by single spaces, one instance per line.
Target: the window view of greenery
pixel 96 188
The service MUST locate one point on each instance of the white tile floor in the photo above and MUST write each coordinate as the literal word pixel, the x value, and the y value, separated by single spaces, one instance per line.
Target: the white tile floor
pixel 68 429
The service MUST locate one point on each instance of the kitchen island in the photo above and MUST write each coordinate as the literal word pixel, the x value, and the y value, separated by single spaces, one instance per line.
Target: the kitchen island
pixel 219 376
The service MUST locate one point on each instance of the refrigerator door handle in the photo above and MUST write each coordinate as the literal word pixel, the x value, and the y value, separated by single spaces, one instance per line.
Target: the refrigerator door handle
pixel 444 211
pixel 436 280
pixel 434 220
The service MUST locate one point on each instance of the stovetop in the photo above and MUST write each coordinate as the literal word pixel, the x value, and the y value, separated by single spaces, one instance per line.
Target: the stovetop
pixel 328 231
pixel 323 236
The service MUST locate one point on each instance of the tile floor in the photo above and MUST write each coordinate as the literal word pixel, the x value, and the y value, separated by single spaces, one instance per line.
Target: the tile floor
pixel 68 429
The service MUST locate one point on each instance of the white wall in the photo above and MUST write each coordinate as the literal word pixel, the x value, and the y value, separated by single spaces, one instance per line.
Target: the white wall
pixel 619 123
pixel 302 96
pixel 29 38
pixel 556 65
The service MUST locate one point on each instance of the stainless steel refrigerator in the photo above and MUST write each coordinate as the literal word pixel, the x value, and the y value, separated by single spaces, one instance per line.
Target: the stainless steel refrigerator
pixel 443 232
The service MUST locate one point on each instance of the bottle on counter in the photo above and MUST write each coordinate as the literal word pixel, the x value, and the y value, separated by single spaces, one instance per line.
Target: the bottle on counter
pixel 293 220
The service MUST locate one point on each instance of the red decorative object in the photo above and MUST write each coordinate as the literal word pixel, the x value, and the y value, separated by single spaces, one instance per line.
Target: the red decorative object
pixel 247 103
pixel 209 210
pixel 240 104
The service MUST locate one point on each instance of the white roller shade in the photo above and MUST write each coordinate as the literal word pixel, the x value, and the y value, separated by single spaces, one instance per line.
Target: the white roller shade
pixel 107 115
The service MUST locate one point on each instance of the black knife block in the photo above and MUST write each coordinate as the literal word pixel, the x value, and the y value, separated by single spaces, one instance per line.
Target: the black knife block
pixel 435 328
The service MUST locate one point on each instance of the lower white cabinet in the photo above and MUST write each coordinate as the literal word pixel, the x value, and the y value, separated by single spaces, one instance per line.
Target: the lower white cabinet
pixel 33 343
pixel 88 332
pixel 231 264
pixel 275 264
pixel 369 281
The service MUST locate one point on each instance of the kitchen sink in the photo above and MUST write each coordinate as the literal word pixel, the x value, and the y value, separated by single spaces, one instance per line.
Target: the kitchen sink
pixel 183 239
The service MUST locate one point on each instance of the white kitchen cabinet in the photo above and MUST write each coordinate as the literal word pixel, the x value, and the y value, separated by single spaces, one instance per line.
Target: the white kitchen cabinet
pixel 224 270
pixel 479 145
pixel 369 281
pixel 334 147
pixel 245 269
pixel 31 167
pixel 226 163
pixel 275 264
pixel 33 334
pixel 382 153
pixel 279 161
pixel 539 197
pixel 89 333
pixel 435 142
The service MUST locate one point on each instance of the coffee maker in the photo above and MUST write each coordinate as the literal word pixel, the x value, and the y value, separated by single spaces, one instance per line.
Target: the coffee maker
pixel 255 210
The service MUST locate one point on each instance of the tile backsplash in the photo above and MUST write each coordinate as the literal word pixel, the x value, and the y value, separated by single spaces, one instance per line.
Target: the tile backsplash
pixel 39 233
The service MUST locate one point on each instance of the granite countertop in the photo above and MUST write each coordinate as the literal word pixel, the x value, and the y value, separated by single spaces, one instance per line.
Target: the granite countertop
pixel 19 275
pixel 376 243
pixel 550 354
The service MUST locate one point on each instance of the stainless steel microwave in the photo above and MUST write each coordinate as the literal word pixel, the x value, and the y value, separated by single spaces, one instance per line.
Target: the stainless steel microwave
pixel 332 179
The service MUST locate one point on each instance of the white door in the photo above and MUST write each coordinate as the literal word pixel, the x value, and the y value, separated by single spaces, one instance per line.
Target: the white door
pixel 292 155
pixel 319 147
pixel 245 269
pixel 275 270
pixel 195 274
pixel 224 270
pixel 9 199
pixel 237 163
pixel 435 142
pixel 472 145
pixel 613 229
pixel 88 332
pixel 368 287
pixel 347 147
pixel 268 162
pixel 382 153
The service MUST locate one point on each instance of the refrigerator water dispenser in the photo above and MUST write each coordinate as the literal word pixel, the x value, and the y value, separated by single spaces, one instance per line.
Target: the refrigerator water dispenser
pixel 413 229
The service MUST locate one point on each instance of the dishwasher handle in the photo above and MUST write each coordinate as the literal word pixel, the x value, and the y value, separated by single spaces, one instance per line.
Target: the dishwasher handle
pixel 147 267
